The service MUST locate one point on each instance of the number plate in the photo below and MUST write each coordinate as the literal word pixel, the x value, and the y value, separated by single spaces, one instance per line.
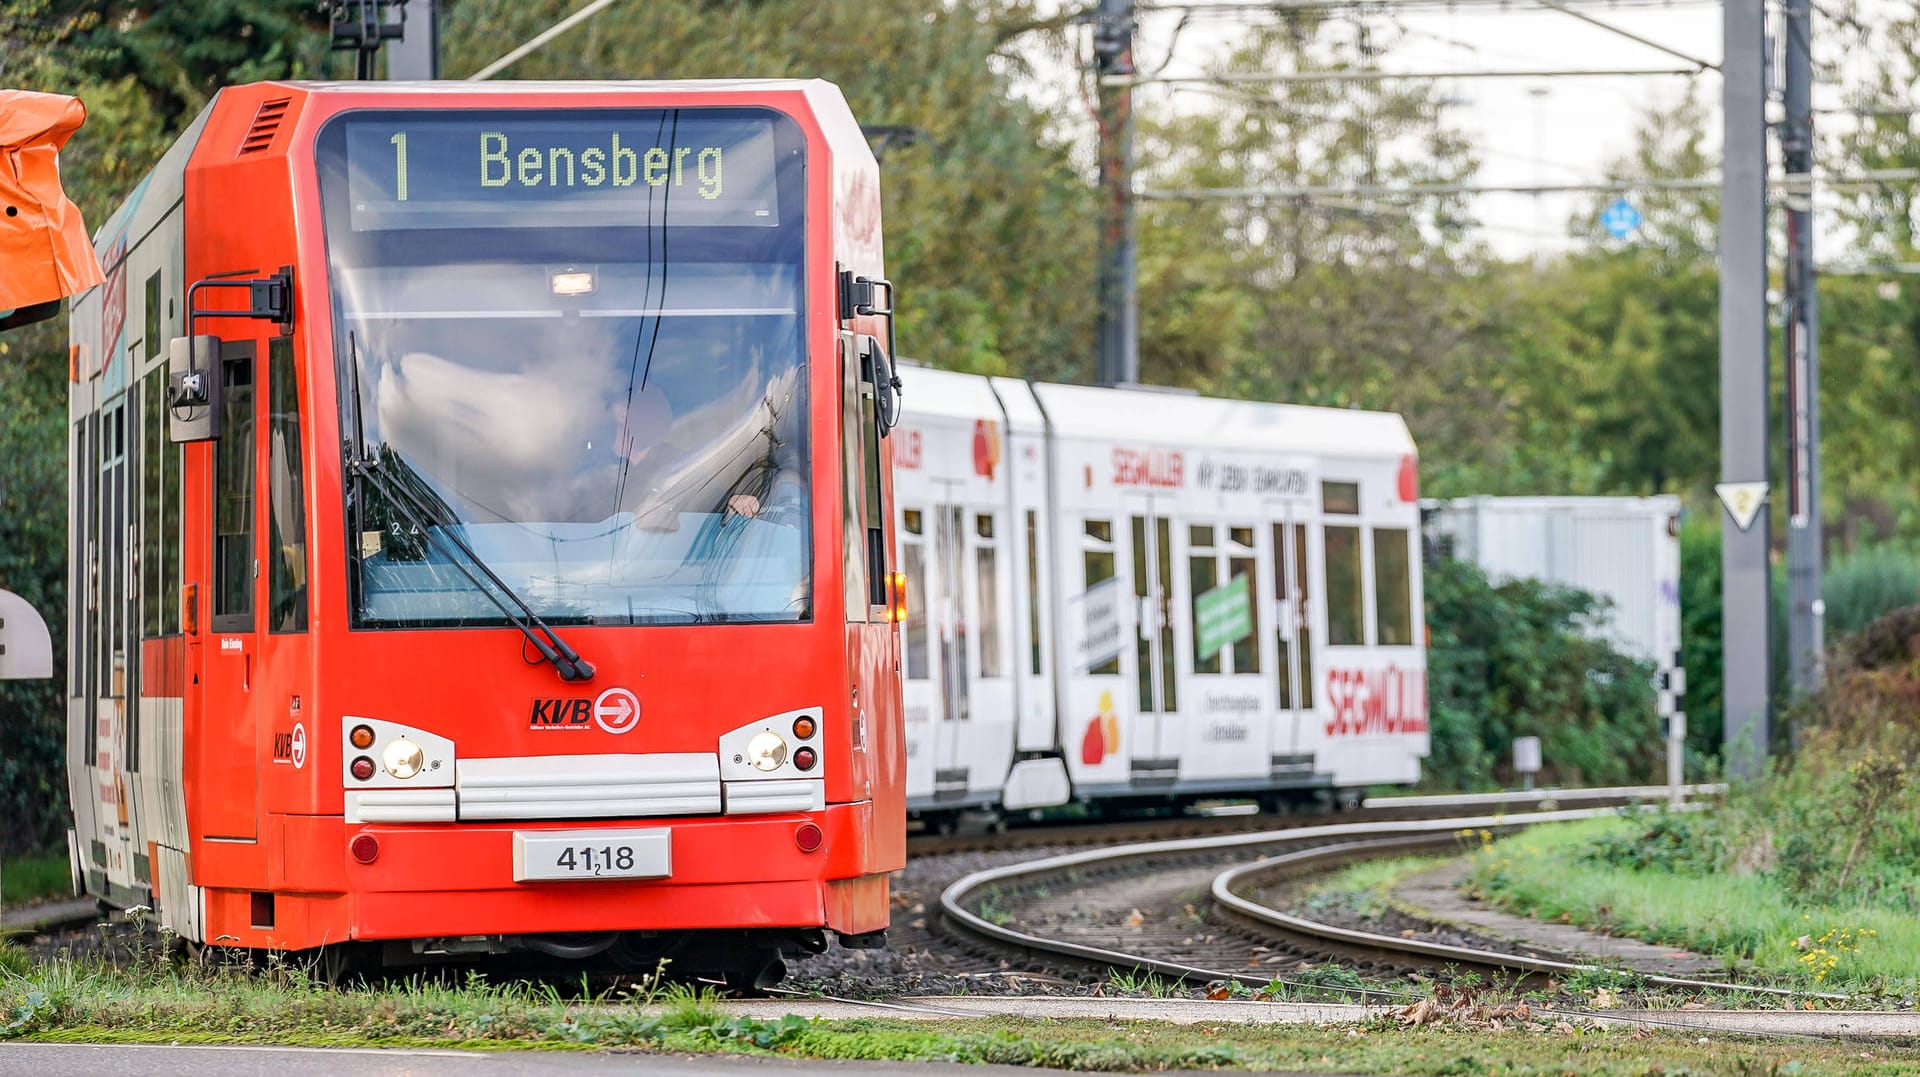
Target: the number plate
pixel 593 854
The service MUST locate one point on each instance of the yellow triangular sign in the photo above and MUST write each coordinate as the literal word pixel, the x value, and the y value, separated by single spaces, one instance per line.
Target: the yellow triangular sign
pixel 1743 500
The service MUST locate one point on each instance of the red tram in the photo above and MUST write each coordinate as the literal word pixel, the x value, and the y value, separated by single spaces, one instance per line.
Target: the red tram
pixel 479 528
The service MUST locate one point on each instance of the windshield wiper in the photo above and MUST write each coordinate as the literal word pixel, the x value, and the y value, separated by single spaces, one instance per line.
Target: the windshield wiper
pixel 566 661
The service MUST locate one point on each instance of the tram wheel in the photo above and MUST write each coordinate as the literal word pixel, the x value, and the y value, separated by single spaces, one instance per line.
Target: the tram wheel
pixel 345 963
pixel 760 972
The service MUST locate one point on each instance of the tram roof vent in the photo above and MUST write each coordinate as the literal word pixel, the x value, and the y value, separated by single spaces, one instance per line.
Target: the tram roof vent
pixel 266 123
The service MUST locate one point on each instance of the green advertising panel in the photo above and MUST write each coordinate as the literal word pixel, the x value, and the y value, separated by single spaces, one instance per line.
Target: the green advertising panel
pixel 1223 616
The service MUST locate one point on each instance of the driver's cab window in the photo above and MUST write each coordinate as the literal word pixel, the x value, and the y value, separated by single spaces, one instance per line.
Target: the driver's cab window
pixel 286 495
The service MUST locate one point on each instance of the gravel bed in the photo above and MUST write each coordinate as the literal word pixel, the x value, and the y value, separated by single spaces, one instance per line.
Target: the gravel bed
pixel 921 958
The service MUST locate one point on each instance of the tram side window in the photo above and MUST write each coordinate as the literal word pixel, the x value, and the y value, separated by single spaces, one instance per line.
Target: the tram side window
pixel 153 314
pixel 77 600
pixel 1346 609
pixel 1096 560
pixel 160 493
pixel 286 495
pixel 233 472
pixel 1392 586
pixel 987 580
pixel 853 551
pixel 876 517
pixel 1240 572
pixel 1033 591
pixel 913 562
pixel 1203 574
pixel 153 491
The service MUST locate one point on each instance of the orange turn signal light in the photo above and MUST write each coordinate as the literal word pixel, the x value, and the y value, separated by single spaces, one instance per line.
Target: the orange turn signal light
pixel 803 727
pixel 362 737
pixel 899 580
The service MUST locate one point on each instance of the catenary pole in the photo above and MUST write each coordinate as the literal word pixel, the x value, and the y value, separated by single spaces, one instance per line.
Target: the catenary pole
pixel 1806 620
pixel 415 57
pixel 1119 338
pixel 1743 388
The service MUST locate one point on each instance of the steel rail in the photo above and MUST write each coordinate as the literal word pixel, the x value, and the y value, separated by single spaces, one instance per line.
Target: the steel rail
pixel 1369 837
pixel 1425 805
pixel 953 898
pixel 1222 892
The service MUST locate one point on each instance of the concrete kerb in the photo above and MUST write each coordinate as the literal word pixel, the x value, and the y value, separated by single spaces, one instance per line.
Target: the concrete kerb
pixel 1823 1024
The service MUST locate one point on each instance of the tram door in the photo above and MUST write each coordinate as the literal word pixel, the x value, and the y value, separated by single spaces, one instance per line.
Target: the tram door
pixel 921 682
pixel 1156 696
pixel 110 654
pixel 1293 600
pixel 229 661
pixel 967 596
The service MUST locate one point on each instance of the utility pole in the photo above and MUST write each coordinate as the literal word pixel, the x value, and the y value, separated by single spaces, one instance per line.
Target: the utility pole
pixel 416 56
pixel 1806 624
pixel 1119 341
pixel 1743 389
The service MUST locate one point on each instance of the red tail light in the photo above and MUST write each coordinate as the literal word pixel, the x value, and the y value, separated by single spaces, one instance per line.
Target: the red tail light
pixel 808 837
pixel 365 848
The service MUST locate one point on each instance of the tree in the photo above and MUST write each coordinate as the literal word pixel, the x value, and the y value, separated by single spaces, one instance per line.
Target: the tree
pixel 989 227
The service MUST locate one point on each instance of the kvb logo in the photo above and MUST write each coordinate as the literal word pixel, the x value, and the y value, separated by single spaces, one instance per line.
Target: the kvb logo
pixel 615 710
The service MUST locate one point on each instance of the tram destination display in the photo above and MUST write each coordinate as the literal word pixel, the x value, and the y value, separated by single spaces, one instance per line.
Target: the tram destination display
pixel 608 168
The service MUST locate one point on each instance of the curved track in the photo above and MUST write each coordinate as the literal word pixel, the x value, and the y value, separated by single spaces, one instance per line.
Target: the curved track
pixel 1067 907
pixel 1245 819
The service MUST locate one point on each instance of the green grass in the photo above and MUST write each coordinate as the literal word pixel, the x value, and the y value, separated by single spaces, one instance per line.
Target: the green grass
pixel 152 1002
pixel 1543 873
pixel 30 878
pixel 1364 888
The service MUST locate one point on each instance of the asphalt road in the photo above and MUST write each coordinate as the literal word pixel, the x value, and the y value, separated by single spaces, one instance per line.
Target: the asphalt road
pixel 87 1060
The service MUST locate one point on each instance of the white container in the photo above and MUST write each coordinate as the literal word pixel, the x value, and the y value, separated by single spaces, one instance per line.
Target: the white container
pixel 1623 549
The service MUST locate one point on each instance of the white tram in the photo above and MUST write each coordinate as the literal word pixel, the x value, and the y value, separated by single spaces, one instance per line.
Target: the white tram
pixel 1141 595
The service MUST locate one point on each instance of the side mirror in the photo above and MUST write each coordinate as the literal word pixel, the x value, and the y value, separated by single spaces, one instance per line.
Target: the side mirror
pixel 886 387
pixel 193 388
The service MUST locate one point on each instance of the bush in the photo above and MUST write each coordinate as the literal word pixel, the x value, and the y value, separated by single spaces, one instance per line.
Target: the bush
pixel 1513 660
pixel 1862 586
pixel 1837 822
pixel 1700 646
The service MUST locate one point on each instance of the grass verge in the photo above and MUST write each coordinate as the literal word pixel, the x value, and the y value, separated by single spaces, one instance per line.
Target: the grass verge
pixel 31 878
pixel 1365 888
pixel 67 1002
pixel 1552 872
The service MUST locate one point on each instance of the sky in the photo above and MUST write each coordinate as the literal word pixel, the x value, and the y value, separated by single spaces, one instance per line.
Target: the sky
pixel 1525 130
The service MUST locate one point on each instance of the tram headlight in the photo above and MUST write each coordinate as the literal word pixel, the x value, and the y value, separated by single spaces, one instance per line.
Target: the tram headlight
pixel 403 758
pixel 766 751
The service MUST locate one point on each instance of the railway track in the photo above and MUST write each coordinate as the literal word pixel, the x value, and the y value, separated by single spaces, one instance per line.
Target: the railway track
pixel 1239 819
pixel 1188 909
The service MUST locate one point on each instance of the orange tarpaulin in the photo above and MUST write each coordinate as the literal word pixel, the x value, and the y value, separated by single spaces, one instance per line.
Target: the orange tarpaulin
pixel 45 253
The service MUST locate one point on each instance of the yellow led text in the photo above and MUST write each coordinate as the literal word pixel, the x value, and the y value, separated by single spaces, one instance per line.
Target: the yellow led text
pixel 617 165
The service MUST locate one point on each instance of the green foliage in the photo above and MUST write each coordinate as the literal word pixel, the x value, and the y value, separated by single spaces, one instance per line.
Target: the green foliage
pixel 1694 888
pixel 1867 584
pixel 1700 639
pixel 31 878
pixel 1663 840
pixel 1511 660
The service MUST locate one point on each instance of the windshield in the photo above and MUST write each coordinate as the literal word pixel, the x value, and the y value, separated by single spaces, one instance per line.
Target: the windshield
pixel 577 338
